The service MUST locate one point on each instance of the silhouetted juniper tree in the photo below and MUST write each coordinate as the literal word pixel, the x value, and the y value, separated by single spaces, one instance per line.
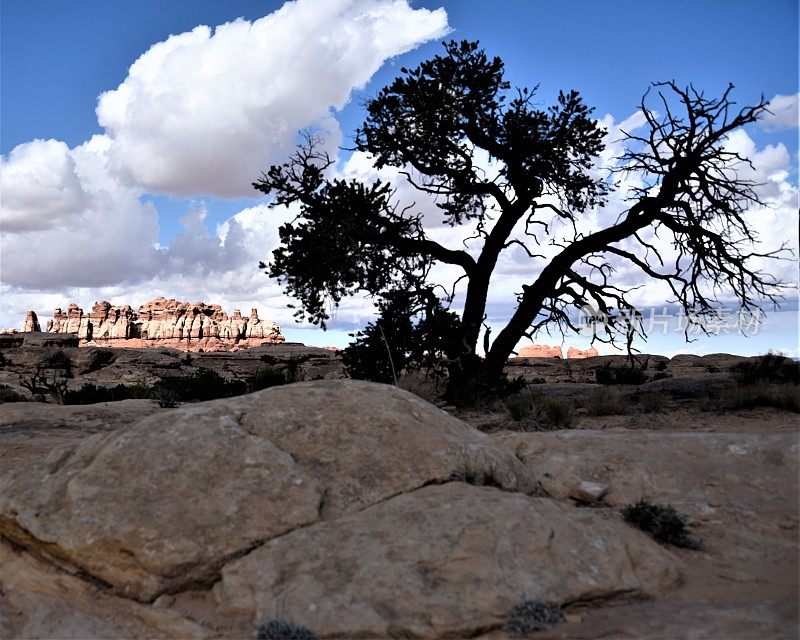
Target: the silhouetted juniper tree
pixel 433 121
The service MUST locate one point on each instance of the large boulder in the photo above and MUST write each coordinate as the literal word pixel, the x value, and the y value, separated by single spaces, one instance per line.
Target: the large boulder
pixel 165 502
pixel 347 506
pixel 442 561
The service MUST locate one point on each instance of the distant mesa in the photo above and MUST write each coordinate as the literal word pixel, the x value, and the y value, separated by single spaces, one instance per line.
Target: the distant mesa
pixel 161 322
pixel 545 351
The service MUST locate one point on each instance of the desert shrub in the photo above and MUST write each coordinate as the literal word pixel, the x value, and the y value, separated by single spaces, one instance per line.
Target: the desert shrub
pixel 92 394
pixel 3 361
pixel 779 396
pixel 7 394
pixel 533 615
pixel 59 360
pixel 166 397
pixel 266 378
pixel 475 475
pixel 408 334
pixel 605 402
pixel 653 401
pixel 283 630
pixel 427 387
pixel 772 367
pixel 538 412
pixel 203 384
pixel 619 375
pixel 662 522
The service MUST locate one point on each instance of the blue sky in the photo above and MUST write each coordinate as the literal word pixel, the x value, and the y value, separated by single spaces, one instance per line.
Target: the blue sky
pixel 57 57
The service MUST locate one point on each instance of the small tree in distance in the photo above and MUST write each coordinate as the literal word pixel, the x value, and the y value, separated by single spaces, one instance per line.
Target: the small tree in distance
pixel 433 121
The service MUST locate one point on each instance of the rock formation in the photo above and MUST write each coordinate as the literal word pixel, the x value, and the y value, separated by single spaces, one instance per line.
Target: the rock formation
pixel 31 322
pixel 348 506
pixel 539 351
pixel 161 323
pixel 573 353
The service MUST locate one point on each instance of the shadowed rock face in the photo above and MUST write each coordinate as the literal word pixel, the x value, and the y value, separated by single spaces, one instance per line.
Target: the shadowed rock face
pixel 336 503
pixel 161 323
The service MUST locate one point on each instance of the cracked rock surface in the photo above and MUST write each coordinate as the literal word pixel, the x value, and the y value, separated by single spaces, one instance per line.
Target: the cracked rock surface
pixel 334 503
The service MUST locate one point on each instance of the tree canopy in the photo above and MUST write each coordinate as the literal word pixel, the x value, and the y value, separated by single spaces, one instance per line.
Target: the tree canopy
pixel 435 122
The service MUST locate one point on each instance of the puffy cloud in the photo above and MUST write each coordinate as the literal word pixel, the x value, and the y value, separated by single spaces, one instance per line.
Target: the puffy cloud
pixel 103 234
pixel 40 186
pixel 783 113
pixel 205 112
pixel 200 113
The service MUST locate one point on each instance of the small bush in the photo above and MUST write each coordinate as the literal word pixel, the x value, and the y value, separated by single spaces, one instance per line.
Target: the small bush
pixel 7 394
pixel 619 375
pixel 427 387
pixel 538 412
pixel 773 368
pixel 266 378
pixel 166 397
pixel 92 394
pixel 662 522
pixel 283 630
pixel 653 401
pixel 59 360
pixel 605 402
pixel 778 396
pixel 476 477
pixel 533 615
pixel 204 384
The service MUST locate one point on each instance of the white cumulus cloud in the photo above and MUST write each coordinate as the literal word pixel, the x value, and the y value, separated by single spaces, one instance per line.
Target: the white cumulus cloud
pixel 783 113
pixel 206 111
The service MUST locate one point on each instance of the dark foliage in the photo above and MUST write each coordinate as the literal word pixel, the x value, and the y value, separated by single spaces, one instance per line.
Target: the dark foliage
pixel 533 615
pixel 433 123
pixel 59 360
pixel 266 378
pixel 662 522
pixel 784 396
pixel 408 335
pixel 476 477
pixel 283 630
pixel 204 384
pixel 771 367
pixel 92 394
pixel 605 402
pixel 533 411
pixel 7 394
pixel 619 375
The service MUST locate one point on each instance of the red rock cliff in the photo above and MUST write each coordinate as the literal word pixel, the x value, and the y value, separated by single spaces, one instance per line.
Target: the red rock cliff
pixel 163 323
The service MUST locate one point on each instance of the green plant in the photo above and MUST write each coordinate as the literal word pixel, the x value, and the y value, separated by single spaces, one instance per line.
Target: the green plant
pixel 662 522
pixel 475 475
pixel 359 235
pixel 43 386
pixel 533 615
pixel 203 384
pixel 653 401
pixel 92 394
pixel 7 394
pixel 534 411
pixel 283 630
pixel 266 378
pixel 427 387
pixel 605 402
pixel 59 360
pixel 772 367
pixel 619 375
pixel 763 394
pixel 166 397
